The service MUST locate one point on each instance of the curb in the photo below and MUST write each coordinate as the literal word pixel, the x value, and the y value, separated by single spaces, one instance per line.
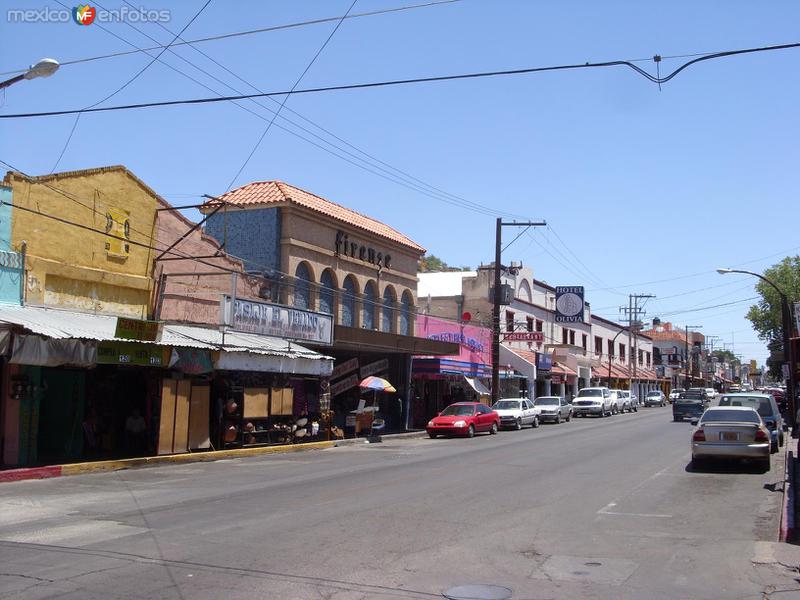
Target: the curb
pixel 104 466
pixel 788 511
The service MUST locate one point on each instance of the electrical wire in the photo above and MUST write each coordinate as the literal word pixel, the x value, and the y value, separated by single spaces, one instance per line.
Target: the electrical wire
pixel 415 80
pixel 245 33
pixel 286 98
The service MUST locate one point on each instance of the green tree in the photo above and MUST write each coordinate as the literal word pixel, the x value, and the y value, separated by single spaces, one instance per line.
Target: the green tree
pixel 724 355
pixel 432 264
pixel 766 316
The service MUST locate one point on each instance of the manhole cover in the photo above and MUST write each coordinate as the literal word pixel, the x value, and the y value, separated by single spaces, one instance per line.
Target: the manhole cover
pixel 478 592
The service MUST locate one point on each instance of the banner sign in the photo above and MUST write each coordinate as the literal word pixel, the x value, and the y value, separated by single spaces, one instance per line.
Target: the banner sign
pixel 191 360
pixel 544 361
pixel 136 329
pixel 569 304
pixel 129 353
pixel 344 385
pixel 278 321
pixel 524 336
pixel 344 368
pixel 376 367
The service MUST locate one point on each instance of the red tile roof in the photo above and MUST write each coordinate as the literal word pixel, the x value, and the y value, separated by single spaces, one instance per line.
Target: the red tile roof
pixel 261 193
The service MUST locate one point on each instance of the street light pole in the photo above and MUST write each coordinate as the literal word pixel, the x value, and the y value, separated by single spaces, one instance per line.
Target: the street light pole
pixel 43 68
pixel 788 353
pixel 496 299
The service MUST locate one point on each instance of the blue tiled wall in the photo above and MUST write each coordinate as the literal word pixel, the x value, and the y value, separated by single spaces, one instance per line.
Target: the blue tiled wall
pixel 253 235
pixel 10 262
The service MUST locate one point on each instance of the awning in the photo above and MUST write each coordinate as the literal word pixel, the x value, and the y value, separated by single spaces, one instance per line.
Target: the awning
pixel 560 369
pixel 58 324
pixel 476 385
pixel 523 361
pixel 446 366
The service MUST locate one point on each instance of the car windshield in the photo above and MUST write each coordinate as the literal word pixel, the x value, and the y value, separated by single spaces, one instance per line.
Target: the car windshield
pixel 653 393
pixel 458 410
pixel 506 405
pixel 546 401
pixel 590 393
pixel 741 416
pixel 762 405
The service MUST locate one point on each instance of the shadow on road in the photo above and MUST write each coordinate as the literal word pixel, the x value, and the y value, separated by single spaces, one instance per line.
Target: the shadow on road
pixel 722 467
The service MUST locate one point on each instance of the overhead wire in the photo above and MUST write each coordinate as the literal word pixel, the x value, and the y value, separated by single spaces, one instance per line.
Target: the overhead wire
pixel 408 81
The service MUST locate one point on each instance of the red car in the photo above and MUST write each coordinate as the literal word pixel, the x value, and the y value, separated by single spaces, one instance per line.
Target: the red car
pixel 464 418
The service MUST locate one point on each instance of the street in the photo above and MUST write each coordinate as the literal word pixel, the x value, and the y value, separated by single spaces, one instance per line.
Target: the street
pixel 594 508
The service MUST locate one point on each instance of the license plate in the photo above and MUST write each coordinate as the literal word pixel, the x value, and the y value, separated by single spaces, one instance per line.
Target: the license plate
pixel 729 436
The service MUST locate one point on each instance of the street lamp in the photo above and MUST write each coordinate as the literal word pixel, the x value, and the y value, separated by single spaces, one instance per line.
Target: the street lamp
pixel 43 68
pixel 788 354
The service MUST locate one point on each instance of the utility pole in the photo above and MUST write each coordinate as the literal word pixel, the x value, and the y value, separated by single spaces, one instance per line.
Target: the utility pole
pixel 634 314
pixel 496 299
pixel 687 357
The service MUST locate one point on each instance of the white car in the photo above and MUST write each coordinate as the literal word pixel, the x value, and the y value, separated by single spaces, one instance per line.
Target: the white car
pixel 711 393
pixel 593 401
pixel 626 401
pixel 517 412
pixel 675 394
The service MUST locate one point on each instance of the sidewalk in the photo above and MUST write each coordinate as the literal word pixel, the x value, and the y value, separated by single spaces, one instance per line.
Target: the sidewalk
pixel 99 466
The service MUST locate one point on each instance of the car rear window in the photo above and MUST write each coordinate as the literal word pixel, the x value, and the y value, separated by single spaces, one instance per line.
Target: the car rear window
pixel 747 416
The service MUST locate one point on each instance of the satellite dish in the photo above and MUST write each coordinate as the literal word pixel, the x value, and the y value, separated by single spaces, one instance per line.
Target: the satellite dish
pixel 466 316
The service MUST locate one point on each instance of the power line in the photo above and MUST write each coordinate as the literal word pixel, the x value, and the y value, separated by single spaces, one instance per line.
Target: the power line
pixel 286 98
pixel 416 80
pixel 247 32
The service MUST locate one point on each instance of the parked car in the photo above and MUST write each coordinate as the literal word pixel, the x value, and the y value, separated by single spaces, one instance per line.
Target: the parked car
pixel 690 404
pixel 730 432
pixel 592 401
pixel 655 398
pixel 517 412
pixel 711 393
pixel 554 408
pixel 464 418
pixel 635 400
pixel 675 394
pixel 625 400
pixel 767 409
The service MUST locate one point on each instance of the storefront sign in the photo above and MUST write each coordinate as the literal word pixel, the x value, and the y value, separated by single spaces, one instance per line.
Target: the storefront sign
pixel 569 304
pixel 544 361
pixel 129 353
pixel 555 379
pixel 136 329
pixel 345 247
pixel 279 321
pixel 376 367
pixel 344 368
pixel 344 385
pixel 475 342
pixel 191 360
pixel 524 336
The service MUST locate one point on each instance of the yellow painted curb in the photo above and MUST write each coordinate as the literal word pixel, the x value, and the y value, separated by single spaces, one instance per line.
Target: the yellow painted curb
pixel 151 461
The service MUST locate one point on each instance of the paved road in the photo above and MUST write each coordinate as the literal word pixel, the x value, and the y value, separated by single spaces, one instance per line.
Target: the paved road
pixel 595 508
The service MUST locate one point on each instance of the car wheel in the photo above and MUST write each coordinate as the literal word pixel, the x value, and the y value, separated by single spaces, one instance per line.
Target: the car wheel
pixel 518 424
pixel 773 448
pixel 494 428
pixel 535 423
pixel 558 419
pixel 471 431
pixel 780 440
pixel 614 410
pixel 635 409
pixel 569 417
pixel 432 435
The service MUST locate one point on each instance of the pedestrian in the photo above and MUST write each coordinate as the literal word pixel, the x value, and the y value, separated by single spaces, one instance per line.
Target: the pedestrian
pixel 135 427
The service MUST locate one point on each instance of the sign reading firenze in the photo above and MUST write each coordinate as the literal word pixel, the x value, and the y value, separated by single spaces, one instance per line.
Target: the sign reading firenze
pixel 278 321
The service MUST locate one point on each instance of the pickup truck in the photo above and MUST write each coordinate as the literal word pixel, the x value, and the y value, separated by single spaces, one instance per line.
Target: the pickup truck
pixel 689 404
pixel 517 412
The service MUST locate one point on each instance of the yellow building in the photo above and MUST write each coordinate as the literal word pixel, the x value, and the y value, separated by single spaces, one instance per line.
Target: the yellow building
pixel 101 265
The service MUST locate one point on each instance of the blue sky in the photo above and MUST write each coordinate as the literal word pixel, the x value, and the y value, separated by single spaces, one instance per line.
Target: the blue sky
pixel 641 185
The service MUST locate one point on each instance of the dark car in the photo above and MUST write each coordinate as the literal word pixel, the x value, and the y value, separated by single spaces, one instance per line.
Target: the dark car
pixel 690 404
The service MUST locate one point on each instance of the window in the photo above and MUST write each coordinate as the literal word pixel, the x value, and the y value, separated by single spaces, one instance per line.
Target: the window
pixel 539 325
pixel 302 287
pixel 349 302
pixel 405 314
pixel 640 358
pixel 509 321
pixel 326 292
pixel 530 323
pixel 564 336
pixel 387 310
pixel 368 306
pixel 572 337
pixel 585 341
pixel 647 358
pixel 598 345
pixel 622 352
pixel 610 348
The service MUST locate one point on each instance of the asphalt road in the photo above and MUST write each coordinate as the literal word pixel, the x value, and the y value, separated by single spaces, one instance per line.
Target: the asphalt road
pixel 595 508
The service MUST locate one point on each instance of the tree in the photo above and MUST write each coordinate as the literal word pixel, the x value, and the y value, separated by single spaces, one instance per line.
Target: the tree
pixel 431 264
pixel 724 356
pixel 766 316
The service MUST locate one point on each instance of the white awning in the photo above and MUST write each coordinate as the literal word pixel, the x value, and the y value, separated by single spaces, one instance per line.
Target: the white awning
pixel 61 324
pixel 476 385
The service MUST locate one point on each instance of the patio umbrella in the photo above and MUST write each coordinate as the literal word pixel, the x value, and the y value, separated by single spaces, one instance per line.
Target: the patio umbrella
pixel 376 384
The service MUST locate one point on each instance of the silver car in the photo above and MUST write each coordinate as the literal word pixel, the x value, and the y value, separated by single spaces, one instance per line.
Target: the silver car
pixel 730 432
pixel 554 408
pixel 655 398
pixel 626 401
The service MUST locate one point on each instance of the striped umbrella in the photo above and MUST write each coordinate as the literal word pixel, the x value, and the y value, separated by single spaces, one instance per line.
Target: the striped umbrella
pixel 376 384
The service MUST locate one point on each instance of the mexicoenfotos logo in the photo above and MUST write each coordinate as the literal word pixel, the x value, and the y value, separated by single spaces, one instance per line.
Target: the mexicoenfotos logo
pixel 84 14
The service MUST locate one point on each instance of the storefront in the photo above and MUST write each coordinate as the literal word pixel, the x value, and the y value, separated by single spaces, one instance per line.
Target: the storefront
pixel 440 381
